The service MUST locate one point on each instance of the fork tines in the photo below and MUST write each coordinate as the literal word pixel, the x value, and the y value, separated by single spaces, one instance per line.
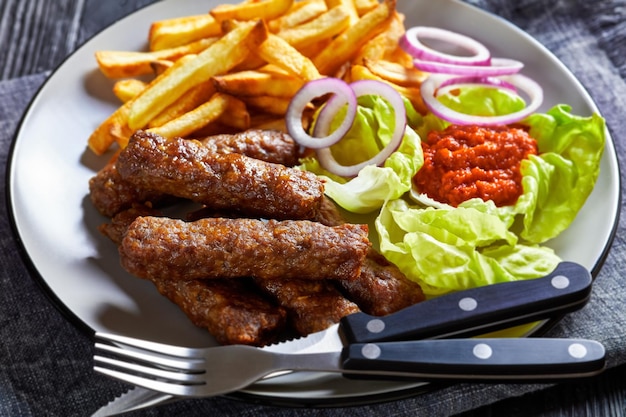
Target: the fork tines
pixel 160 367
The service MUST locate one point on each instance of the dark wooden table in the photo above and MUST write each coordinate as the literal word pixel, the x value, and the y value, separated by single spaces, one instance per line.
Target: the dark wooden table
pixel 35 37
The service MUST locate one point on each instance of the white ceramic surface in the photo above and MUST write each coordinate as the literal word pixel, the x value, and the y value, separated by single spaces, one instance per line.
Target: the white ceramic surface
pixel 50 168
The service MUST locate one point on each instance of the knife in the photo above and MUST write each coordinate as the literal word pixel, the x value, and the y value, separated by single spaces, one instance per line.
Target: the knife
pixel 231 368
pixel 467 313
pixel 225 369
pixel 461 314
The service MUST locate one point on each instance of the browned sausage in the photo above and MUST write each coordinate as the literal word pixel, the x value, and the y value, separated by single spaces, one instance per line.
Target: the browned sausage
pixel 111 194
pixel 165 248
pixel 186 169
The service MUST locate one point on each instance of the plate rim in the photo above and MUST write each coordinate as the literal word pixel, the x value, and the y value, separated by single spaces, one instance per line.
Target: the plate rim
pixel 298 402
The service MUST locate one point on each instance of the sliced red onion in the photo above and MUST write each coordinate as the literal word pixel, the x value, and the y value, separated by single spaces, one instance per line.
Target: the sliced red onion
pixel 499 66
pixel 411 44
pixel 343 95
pixel 531 88
pixel 363 88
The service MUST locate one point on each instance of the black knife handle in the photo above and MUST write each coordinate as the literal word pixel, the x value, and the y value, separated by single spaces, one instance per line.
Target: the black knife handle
pixel 479 310
pixel 492 359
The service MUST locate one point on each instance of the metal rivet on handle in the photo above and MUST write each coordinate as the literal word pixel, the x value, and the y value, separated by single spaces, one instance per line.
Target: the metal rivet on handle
pixel 375 326
pixel 482 351
pixel 370 351
pixel 576 350
pixel 560 282
pixel 468 304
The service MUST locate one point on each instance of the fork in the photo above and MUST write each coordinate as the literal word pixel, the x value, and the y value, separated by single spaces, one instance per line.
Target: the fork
pixel 204 372
pixel 196 372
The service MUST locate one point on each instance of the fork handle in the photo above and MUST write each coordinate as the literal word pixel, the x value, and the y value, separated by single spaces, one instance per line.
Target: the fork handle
pixel 496 359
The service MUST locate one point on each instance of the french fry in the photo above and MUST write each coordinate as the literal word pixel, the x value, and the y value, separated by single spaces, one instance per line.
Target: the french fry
pixel 299 13
pixel 159 67
pixel 217 59
pixel 128 89
pixel 121 64
pixel 247 75
pixel 345 46
pixel 400 56
pixel 396 73
pixel 115 128
pixel 257 83
pixel 384 44
pixel 268 122
pixel 325 26
pixel 348 5
pixel 197 95
pixel 413 94
pixel 102 138
pixel 171 33
pixel 277 51
pixel 271 105
pixel 196 119
pixel 315 49
pixel 364 6
pixel 262 9
pixel 236 115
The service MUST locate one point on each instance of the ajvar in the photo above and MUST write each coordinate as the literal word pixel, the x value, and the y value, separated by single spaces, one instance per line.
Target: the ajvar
pixel 463 162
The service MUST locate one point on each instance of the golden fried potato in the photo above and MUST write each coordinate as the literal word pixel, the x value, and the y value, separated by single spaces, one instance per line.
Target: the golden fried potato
pixel 299 13
pixel 348 5
pixel 396 73
pixel 159 67
pixel 217 59
pixel 262 9
pixel 364 6
pixel 115 128
pixel 236 115
pixel 121 64
pixel 345 46
pixel 257 83
pixel 196 119
pixel 325 26
pixel 384 44
pixel 268 104
pixel 193 98
pixel 277 51
pixel 413 94
pixel 128 89
pixel 239 65
pixel 171 33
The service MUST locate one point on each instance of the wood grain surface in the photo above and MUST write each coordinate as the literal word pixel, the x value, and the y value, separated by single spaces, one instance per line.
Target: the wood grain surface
pixel 36 36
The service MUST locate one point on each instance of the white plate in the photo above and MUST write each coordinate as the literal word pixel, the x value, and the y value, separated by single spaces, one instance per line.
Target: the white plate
pixel 50 168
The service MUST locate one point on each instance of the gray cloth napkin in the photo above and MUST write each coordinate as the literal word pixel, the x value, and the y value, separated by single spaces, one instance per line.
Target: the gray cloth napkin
pixel 45 362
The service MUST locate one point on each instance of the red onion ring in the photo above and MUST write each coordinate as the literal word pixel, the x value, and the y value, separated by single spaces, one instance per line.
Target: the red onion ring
pixel 362 88
pixel 413 46
pixel 430 87
pixel 499 66
pixel 343 95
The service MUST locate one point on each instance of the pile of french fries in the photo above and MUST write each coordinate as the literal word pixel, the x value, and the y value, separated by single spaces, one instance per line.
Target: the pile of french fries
pixel 238 66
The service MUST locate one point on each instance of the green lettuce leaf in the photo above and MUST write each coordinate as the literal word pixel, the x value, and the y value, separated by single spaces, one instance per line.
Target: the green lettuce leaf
pixel 478 243
pixel 558 181
pixel 483 101
pixel 371 131
pixel 453 249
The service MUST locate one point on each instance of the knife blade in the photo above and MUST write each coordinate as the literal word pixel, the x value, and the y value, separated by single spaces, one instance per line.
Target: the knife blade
pixel 134 399
pixel 465 313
